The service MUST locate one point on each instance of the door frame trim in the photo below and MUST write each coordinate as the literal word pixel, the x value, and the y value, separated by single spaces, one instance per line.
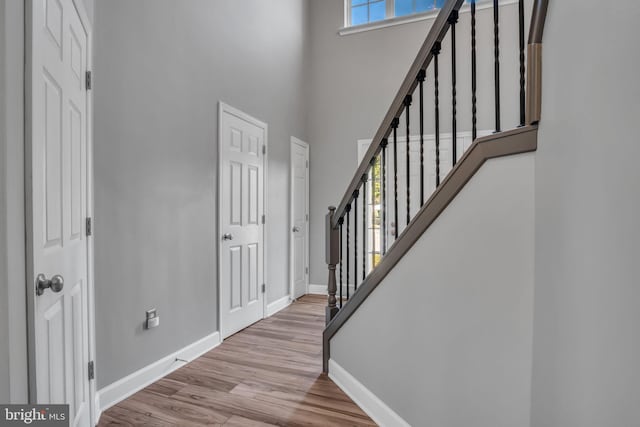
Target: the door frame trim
pixel 299 142
pixel 226 108
pixel 28 102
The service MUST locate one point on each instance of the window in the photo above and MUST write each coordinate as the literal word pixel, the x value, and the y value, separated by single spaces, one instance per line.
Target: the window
pixel 407 7
pixel 366 11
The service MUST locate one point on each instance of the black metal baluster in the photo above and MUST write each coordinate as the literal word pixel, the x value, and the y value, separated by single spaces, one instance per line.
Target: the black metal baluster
pixel 421 77
pixel 395 124
pixel 348 209
pixel 407 105
pixel 474 111
pixel 365 205
pixel 374 177
pixel 377 249
pixel 355 239
pixel 522 66
pixel 453 19
pixel 496 60
pixel 436 54
pixel 340 222
pixel 383 189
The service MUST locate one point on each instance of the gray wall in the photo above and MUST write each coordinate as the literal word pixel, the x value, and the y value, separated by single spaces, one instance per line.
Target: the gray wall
pixel 161 67
pixel 355 77
pixel 445 340
pixel 586 341
pixel 4 286
pixel 13 343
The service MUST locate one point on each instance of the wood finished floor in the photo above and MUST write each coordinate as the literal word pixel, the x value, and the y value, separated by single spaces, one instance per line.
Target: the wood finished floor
pixel 268 374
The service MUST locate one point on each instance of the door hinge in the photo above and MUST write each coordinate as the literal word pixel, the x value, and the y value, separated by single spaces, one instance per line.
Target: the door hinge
pixel 88 83
pixel 264 149
pixel 264 288
pixel 306 217
pixel 92 370
pixel 88 227
pixel 264 219
pixel 306 270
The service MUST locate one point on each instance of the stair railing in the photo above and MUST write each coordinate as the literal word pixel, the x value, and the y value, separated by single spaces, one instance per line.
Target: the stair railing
pixel 382 214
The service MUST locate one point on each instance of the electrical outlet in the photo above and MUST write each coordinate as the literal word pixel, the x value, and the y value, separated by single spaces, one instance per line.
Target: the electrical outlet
pixel 153 320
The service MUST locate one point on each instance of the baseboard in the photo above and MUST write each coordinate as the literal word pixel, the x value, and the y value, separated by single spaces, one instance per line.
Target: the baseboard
pixel 276 306
pixel 377 410
pixel 116 392
pixel 322 289
pixel 317 289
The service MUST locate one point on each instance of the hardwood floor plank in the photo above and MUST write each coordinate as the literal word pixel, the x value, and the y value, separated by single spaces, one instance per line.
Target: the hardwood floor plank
pixel 122 416
pixel 269 374
pixel 322 387
pixel 202 378
pixel 278 412
pixel 238 421
pixel 314 404
pixel 165 387
pixel 168 409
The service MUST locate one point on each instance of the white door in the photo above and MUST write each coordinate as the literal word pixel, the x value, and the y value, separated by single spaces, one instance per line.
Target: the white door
pixel 241 208
pixel 299 242
pixel 57 206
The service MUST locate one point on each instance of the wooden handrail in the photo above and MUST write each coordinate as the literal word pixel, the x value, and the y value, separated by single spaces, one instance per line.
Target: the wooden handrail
pixel 534 61
pixel 538 18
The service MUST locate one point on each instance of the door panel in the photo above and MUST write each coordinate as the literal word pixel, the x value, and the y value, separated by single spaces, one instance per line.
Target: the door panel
pixel 299 217
pixel 57 206
pixel 254 199
pixel 52 346
pixel 252 271
pixel 78 385
pixel 241 228
pixel 53 160
pixel 76 148
pixel 235 277
pixel 235 188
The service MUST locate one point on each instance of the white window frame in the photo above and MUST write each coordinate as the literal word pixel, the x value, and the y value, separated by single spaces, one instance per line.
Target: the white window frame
pixel 392 20
pixel 389 14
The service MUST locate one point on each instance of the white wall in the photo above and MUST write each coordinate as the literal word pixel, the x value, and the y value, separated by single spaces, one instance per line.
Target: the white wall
pixel 587 316
pixel 161 67
pixel 13 343
pixel 355 77
pixel 446 338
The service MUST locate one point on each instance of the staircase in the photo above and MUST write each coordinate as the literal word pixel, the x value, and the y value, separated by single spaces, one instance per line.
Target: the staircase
pixel 384 212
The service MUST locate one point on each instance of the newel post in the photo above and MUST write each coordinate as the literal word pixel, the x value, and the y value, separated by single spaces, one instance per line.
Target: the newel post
pixel 332 255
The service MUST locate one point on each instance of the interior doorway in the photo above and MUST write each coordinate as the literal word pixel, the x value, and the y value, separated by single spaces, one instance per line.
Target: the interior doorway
pixel 58 204
pixel 299 240
pixel 241 212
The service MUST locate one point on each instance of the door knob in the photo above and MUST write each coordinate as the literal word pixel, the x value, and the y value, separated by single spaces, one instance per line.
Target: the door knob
pixel 56 283
pixel 227 236
pixel 296 229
